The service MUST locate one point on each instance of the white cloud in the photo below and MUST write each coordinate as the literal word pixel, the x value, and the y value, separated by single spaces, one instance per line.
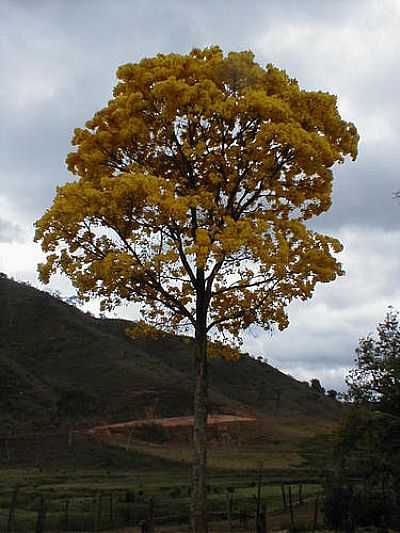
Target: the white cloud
pixel 10 222
pixel 354 57
pixel 18 259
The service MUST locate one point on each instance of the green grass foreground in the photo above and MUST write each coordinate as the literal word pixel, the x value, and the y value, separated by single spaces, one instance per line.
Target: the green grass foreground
pixel 149 478
pixel 96 501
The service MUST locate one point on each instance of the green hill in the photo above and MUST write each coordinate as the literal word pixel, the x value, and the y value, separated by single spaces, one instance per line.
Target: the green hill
pixel 59 365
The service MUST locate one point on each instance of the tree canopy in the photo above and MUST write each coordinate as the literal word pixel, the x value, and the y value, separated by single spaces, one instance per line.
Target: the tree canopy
pixel 207 163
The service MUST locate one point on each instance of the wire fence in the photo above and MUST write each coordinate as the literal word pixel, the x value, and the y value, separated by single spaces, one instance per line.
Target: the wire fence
pixel 25 511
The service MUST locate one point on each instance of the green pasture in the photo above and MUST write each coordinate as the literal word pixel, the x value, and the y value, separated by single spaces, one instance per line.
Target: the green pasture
pixel 96 501
pixel 122 481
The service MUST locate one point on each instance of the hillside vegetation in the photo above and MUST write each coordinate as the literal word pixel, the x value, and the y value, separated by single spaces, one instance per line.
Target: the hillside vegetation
pixel 59 365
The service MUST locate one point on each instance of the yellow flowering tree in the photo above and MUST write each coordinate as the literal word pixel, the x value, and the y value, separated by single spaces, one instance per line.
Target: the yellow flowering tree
pixel 192 190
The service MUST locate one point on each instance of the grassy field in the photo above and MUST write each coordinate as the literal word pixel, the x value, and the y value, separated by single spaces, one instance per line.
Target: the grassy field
pixel 279 445
pixel 137 477
pixel 94 501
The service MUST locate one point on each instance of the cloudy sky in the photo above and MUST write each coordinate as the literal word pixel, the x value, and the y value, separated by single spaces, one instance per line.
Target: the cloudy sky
pixel 58 60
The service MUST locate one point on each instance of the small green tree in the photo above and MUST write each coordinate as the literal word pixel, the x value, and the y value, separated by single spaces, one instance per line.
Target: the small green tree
pixel 332 393
pixel 362 487
pixel 376 378
pixel 368 443
pixel 317 387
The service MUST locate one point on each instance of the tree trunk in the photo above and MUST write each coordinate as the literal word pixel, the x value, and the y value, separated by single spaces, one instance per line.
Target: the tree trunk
pixel 200 407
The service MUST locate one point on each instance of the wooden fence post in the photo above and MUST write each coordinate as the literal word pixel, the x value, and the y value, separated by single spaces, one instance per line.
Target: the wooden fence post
pixel 134 515
pixel 283 491
pixel 144 527
pixel 291 507
pixel 98 512
pixel 259 483
pixel 316 508
pixel 7 448
pixel 229 501
pixel 11 526
pixel 128 501
pixel 41 516
pixel 128 442
pixel 243 519
pixel 66 514
pixel 261 524
pixel 111 510
pixel 151 515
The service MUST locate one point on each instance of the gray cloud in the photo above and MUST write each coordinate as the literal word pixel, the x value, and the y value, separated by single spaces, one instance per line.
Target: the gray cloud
pixel 60 69
pixel 9 232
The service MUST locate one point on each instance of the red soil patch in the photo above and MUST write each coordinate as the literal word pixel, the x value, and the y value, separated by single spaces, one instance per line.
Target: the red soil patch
pixel 179 421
